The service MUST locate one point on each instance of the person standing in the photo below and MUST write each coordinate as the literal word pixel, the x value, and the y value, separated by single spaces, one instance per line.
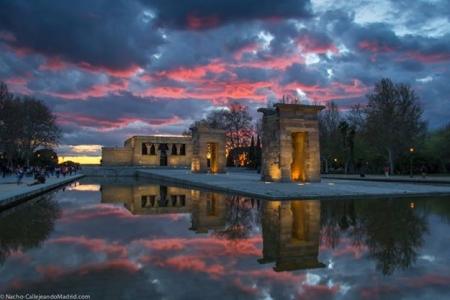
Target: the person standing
pixel 19 172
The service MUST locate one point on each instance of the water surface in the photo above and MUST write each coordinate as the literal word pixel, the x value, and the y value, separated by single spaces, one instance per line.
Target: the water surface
pixel 130 239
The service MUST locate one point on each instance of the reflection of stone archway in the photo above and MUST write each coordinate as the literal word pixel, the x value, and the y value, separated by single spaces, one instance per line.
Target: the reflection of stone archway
pixel 291 234
pixel 208 211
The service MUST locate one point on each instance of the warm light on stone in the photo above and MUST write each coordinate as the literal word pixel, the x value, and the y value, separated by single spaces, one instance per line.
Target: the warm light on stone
pixel 174 151
pixel 208 150
pixel 290 144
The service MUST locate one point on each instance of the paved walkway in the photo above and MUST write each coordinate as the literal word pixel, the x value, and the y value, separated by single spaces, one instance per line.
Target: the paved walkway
pixel 395 178
pixel 249 184
pixel 11 193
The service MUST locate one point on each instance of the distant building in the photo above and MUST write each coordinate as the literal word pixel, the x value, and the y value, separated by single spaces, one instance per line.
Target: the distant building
pixel 204 151
pixel 173 151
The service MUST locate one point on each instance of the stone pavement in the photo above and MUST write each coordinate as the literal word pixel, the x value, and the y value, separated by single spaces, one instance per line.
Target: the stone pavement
pixel 11 193
pixel 435 179
pixel 248 184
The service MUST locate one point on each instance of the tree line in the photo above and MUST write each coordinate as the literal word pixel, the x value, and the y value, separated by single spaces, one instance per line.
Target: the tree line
pixel 26 125
pixel 388 133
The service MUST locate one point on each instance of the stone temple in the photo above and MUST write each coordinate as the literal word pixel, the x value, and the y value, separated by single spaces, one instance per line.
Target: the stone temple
pixel 203 152
pixel 290 149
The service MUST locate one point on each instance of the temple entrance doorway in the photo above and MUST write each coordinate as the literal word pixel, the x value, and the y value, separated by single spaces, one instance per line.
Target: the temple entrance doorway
pixel 298 166
pixel 211 157
pixel 163 154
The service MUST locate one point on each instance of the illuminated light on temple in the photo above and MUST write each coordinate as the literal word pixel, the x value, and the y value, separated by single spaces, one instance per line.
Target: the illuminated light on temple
pixel 208 150
pixel 290 151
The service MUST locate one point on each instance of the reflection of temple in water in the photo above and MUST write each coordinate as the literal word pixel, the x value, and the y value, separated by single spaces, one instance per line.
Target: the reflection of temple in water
pixel 290 229
pixel 291 234
pixel 208 211
pixel 149 198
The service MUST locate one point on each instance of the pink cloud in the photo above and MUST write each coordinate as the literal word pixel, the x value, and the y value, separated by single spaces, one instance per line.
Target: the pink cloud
pixel 96 212
pixel 55 272
pixel 207 247
pixel 104 124
pixel 95 91
pixel 94 245
pixel 311 44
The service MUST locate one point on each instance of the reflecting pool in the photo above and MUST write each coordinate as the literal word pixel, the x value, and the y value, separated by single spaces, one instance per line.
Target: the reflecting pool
pixel 130 239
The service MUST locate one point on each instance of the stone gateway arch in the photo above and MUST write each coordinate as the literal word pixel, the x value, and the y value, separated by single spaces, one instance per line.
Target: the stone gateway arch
pixel 290 143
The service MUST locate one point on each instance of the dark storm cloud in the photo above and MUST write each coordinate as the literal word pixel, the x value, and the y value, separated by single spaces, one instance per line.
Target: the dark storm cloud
pixel 112 34
pixel 201 14
pixel 110 121
pixel 304 75
pixel 195 55
pixel 419 13
pixel 11 64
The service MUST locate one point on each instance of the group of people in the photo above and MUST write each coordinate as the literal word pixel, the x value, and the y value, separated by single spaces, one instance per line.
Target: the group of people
pixel 40 174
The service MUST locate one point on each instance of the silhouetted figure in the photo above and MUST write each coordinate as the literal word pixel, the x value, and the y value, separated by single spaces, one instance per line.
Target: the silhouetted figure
pixel 423 171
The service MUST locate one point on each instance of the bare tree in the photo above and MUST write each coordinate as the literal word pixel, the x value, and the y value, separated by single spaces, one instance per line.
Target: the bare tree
pixel 329 120
pixel 237 122
pixel 394 119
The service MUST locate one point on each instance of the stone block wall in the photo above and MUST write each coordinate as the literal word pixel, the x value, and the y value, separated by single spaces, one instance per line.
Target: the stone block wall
pixel 132 155
pixel 112 156
pixel 279 125
pixel 201 137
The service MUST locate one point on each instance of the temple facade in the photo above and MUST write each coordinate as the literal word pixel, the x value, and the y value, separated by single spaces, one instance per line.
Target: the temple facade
pixel 290 149
pixel 203 152
pixel 175 151
pixel 209 143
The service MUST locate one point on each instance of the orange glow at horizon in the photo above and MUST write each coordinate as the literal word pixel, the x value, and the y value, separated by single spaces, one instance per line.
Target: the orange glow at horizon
pixel 83 160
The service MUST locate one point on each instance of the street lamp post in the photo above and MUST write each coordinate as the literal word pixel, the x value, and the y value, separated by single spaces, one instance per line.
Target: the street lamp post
pixel 411 151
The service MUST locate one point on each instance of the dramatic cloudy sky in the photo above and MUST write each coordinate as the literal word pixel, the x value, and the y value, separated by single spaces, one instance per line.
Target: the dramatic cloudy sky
pixel 111 69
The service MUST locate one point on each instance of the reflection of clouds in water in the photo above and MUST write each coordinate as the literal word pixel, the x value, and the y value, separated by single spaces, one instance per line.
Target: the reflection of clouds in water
pixel 101 246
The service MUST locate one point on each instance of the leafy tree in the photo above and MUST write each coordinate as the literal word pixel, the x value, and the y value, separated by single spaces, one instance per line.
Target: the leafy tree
pixel 27 124
pixel 393 233
pixel 437 148
pixel 28 226
pixel 45 157
pixel 394 119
